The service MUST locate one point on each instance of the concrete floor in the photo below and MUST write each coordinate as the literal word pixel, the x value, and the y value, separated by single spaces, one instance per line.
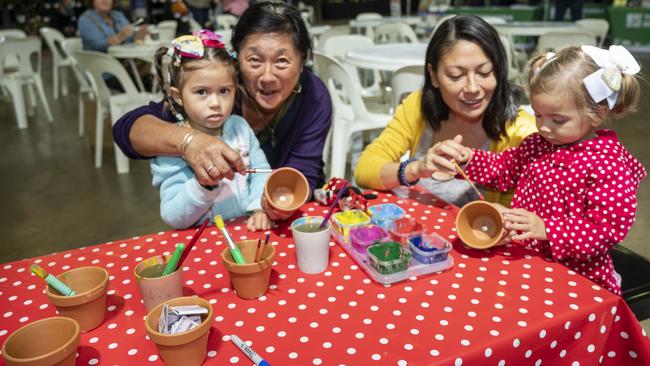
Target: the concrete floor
pixel 55 199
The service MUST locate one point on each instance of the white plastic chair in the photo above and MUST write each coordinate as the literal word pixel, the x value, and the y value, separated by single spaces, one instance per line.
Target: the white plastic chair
pixel 71 46
pixel 395 33
pixel 515 60
pixel 99 64
pixel 405 80
pixel 28 54
pixel 341 30
pixel 368 31
pixel 307 12
pixel 11 62
pixel 226 22
pixel 166 30
pixel 368 16
pixel 194 25
pixel 442 20
pixel 337 47
pixel 596 27
pixel 60 57
pixel 350 113
pixel 556 40
pixel 13 33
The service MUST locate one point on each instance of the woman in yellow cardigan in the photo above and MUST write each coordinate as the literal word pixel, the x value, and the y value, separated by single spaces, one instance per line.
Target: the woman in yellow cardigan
pixel 466 92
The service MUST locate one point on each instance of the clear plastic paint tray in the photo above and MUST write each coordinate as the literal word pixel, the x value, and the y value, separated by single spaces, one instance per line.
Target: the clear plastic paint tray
pixel 414 268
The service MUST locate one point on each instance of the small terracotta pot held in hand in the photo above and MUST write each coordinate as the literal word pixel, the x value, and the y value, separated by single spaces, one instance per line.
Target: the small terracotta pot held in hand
pixel 88 306
pixel 45 342
pixel 181 349
pixel 286 189
pixel 250 280
pixel 480 225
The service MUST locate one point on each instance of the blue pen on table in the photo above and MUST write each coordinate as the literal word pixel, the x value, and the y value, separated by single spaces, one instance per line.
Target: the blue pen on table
pixel 52 281
pixel 257 360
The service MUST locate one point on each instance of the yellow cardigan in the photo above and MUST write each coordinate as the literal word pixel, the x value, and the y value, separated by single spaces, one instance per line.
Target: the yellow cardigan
pixel 403 133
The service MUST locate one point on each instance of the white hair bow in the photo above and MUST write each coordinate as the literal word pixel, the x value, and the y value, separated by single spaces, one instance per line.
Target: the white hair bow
pixel 605 83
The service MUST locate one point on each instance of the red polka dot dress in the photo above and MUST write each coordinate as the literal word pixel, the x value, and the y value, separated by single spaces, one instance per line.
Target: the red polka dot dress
pixel 585 193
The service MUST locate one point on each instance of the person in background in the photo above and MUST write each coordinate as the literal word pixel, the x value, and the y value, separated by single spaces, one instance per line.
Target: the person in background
pixel 200 10
pixel 286 105
pixel 234 7
pixel 574 5
pixel 466 91
pixel 65 17
pixel 575 184
pixel 101 27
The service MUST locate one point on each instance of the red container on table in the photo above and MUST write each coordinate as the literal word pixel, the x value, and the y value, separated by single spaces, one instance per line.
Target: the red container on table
pixel 405 228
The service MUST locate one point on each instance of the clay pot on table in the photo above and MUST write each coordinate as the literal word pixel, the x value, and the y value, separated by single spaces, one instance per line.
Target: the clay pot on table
pixel 88 305
pixel 45 342
pixel 181 349
pixel 250 280
pixel 480 225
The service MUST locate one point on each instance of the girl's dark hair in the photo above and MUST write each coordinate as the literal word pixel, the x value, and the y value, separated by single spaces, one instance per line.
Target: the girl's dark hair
pixel 176 70
pixel 272 17
pixel 501 108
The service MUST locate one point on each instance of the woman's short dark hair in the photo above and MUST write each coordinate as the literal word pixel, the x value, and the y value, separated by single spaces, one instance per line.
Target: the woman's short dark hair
pixel 501 108
pixel 272 17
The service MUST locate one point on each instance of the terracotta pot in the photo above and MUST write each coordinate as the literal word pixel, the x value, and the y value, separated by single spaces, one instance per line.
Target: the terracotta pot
pixel 480 225
pixel 183 349
pixel 250 280
pixel 286 189
pixel 46 342
pixel 88 306
pixel 157 290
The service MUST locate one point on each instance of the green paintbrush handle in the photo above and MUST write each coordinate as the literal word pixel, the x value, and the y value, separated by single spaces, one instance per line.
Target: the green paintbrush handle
pixel 173 261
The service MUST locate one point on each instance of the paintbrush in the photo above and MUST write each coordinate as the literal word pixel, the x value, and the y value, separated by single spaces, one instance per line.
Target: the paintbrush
pixel 234 251
pixel 329 213
pixel 258 257
pixel 257 251
pixel 462 173
pixel 173 261
pixel 193 241
pixel 52 281
pixel 254 170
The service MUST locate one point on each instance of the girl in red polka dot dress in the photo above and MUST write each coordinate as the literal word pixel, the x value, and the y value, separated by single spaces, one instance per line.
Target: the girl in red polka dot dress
pixel 575 184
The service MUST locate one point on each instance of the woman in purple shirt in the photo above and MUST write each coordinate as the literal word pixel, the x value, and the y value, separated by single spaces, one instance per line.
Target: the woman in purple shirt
pixel 286 105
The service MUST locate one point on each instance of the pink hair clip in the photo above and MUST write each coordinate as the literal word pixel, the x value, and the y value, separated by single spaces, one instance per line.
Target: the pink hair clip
pixel 193 46
pixel 209 38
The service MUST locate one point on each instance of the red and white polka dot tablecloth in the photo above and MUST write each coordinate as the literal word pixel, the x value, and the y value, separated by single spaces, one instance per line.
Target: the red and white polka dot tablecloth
pixel 500 307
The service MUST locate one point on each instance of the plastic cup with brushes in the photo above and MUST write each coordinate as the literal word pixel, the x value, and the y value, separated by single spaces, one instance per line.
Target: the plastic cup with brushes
pixel 311 234
pixel 159 279
pixel 249 263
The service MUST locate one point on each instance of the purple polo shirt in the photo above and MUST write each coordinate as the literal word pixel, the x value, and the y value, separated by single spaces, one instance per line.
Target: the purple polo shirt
pixel 300 135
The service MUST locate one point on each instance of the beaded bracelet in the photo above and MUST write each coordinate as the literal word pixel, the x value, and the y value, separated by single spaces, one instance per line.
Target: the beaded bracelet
pixel 401 173
pixel 186 140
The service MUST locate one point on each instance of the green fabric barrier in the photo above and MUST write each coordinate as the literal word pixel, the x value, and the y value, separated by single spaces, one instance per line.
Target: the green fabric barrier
pixel 630 27
pixel 517 13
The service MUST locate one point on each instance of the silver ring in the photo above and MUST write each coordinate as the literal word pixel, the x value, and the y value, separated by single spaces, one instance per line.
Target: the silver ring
pixel 210 168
